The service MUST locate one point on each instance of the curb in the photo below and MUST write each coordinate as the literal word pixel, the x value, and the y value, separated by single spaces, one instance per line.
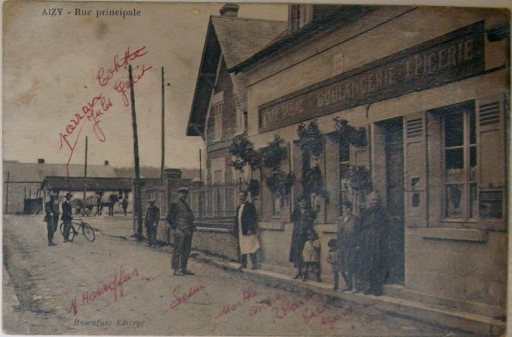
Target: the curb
pixel 465 322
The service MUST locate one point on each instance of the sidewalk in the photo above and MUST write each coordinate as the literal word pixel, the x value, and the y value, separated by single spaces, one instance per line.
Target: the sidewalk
pixel 122 227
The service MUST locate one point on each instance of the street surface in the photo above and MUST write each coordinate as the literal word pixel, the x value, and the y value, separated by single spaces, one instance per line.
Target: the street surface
pixel 118 286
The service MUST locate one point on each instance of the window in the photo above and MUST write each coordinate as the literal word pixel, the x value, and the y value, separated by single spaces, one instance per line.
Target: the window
pixel 460 163
pixel 300 15
pixel 344 170
pixel 217 120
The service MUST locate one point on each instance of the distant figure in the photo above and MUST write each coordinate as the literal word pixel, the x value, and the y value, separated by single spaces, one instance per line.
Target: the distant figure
pixel 181 220
pixel 152 219
pixel 67 216
pixel 311 256
pixel 373 245
pixel 51 218
pixel 246 226
pixel 332 259
pixel 302 218
pixel 98 205
pixel 349 231
pixel 111 203
pixel 124 204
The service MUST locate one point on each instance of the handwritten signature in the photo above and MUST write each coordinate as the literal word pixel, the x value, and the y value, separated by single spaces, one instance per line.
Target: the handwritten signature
pixel 182 298
pixel 101 103
pixel 118 64
pixel 115 287
pixel 247 295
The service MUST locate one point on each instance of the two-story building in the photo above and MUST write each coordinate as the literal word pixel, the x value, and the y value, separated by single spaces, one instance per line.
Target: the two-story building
pixel 425 94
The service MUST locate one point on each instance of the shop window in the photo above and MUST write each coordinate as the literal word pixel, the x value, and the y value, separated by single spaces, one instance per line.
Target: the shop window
pixel 460 164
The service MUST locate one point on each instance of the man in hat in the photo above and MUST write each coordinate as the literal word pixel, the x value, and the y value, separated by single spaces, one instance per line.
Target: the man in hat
pixel 152 218
pixel 51 218
pixel 181 220
pixel 67 216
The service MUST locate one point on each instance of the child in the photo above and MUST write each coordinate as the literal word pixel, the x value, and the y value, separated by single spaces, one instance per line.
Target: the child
pixel 332 259
pixel 311 256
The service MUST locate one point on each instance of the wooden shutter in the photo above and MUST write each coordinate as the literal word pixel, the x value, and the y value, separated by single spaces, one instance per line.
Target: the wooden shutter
pixel 415 170
pixel 491 158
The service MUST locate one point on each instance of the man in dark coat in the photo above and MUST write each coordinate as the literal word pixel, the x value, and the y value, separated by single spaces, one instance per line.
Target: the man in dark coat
pixel 302 218
pixel 348 246
pixel 124 203
pixel 374 245
pixel 67 216
pixel 181 220
pixel 246 226
pixel 152 219
pixel 51 218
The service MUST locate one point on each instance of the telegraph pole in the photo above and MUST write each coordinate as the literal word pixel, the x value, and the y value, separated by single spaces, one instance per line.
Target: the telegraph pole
pixel 85 169
pixel 136 182
pixel 162 167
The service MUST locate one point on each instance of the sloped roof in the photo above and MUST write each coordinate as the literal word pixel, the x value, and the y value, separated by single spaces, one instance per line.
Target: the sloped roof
pixel 37 172
pixel 240 38
pixel 237 39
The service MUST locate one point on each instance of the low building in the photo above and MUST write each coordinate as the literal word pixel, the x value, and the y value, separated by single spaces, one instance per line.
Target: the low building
pixel 22 181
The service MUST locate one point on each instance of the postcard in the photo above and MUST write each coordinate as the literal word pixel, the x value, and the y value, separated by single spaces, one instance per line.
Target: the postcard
pixel 255 169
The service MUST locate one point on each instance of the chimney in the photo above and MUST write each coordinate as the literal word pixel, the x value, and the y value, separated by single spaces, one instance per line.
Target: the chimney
pixel 40 161
pixel 106 162
pixel 229 9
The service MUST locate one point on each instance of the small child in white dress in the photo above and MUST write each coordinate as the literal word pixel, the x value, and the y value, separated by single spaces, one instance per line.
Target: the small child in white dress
pixel 311 256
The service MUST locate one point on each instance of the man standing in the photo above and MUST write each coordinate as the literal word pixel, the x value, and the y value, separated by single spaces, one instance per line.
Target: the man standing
pixel 124 203
pixel 245 228
pixel 67 216
pixel 51 218
pixel 152 218
pixel 181 220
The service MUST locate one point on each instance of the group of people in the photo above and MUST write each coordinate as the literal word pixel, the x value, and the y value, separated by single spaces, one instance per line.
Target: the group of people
pixel 359 253
pixel 51 217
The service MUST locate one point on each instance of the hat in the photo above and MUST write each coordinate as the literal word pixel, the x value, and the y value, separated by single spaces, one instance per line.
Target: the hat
pixel 69 195
pixel 151 200
pixel 182 190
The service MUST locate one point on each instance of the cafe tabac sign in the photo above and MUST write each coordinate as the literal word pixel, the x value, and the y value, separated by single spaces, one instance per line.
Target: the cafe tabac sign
pixel 451 57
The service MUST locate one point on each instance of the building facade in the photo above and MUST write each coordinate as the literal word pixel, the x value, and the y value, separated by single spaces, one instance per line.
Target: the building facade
pixel 426 106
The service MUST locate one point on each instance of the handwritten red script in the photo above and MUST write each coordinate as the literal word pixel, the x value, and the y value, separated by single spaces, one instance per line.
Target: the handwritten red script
pixel 247 295
pixel 183 297
pixel 115 287
pixel 101 103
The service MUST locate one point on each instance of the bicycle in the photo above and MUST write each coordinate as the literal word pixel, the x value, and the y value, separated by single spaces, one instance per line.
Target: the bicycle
pixel 87 230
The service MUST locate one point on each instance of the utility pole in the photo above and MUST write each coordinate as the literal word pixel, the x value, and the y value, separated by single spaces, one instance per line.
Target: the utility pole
pixel 85 169
pixel 7 192
pixel 136 183
pixel 200 188
pixel 162 167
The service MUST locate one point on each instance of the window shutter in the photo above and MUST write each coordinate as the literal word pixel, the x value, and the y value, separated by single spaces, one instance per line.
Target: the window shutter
pixel 491 159
pixel 415 170
pixel 491 144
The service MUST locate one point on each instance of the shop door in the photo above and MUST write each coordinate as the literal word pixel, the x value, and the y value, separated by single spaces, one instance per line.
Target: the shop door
pixel 395 197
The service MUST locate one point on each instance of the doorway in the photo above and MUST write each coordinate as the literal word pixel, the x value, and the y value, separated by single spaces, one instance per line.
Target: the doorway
pixel 394 159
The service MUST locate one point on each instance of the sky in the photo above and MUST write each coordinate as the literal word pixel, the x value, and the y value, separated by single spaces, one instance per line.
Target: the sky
pixel 50 65
pixel 53 100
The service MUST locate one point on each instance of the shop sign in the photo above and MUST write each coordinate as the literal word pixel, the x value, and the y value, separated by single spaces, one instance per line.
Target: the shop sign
pixel 449 58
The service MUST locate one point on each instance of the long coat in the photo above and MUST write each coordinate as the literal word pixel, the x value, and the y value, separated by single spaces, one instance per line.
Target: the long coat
pixel 249 219
pixel 374 244
pixel 302 222
pixel 67 211
pixel 348 236
pixel 152 216
pixel 51 208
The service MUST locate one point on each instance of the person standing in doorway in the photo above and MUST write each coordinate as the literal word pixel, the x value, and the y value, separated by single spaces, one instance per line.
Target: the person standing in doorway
pixel 246 226
pixel 348 246
pixel 181 220
pixel 67 216
pixel 302 218
pixel 51 218
pixel 152 219
pixel 373 245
